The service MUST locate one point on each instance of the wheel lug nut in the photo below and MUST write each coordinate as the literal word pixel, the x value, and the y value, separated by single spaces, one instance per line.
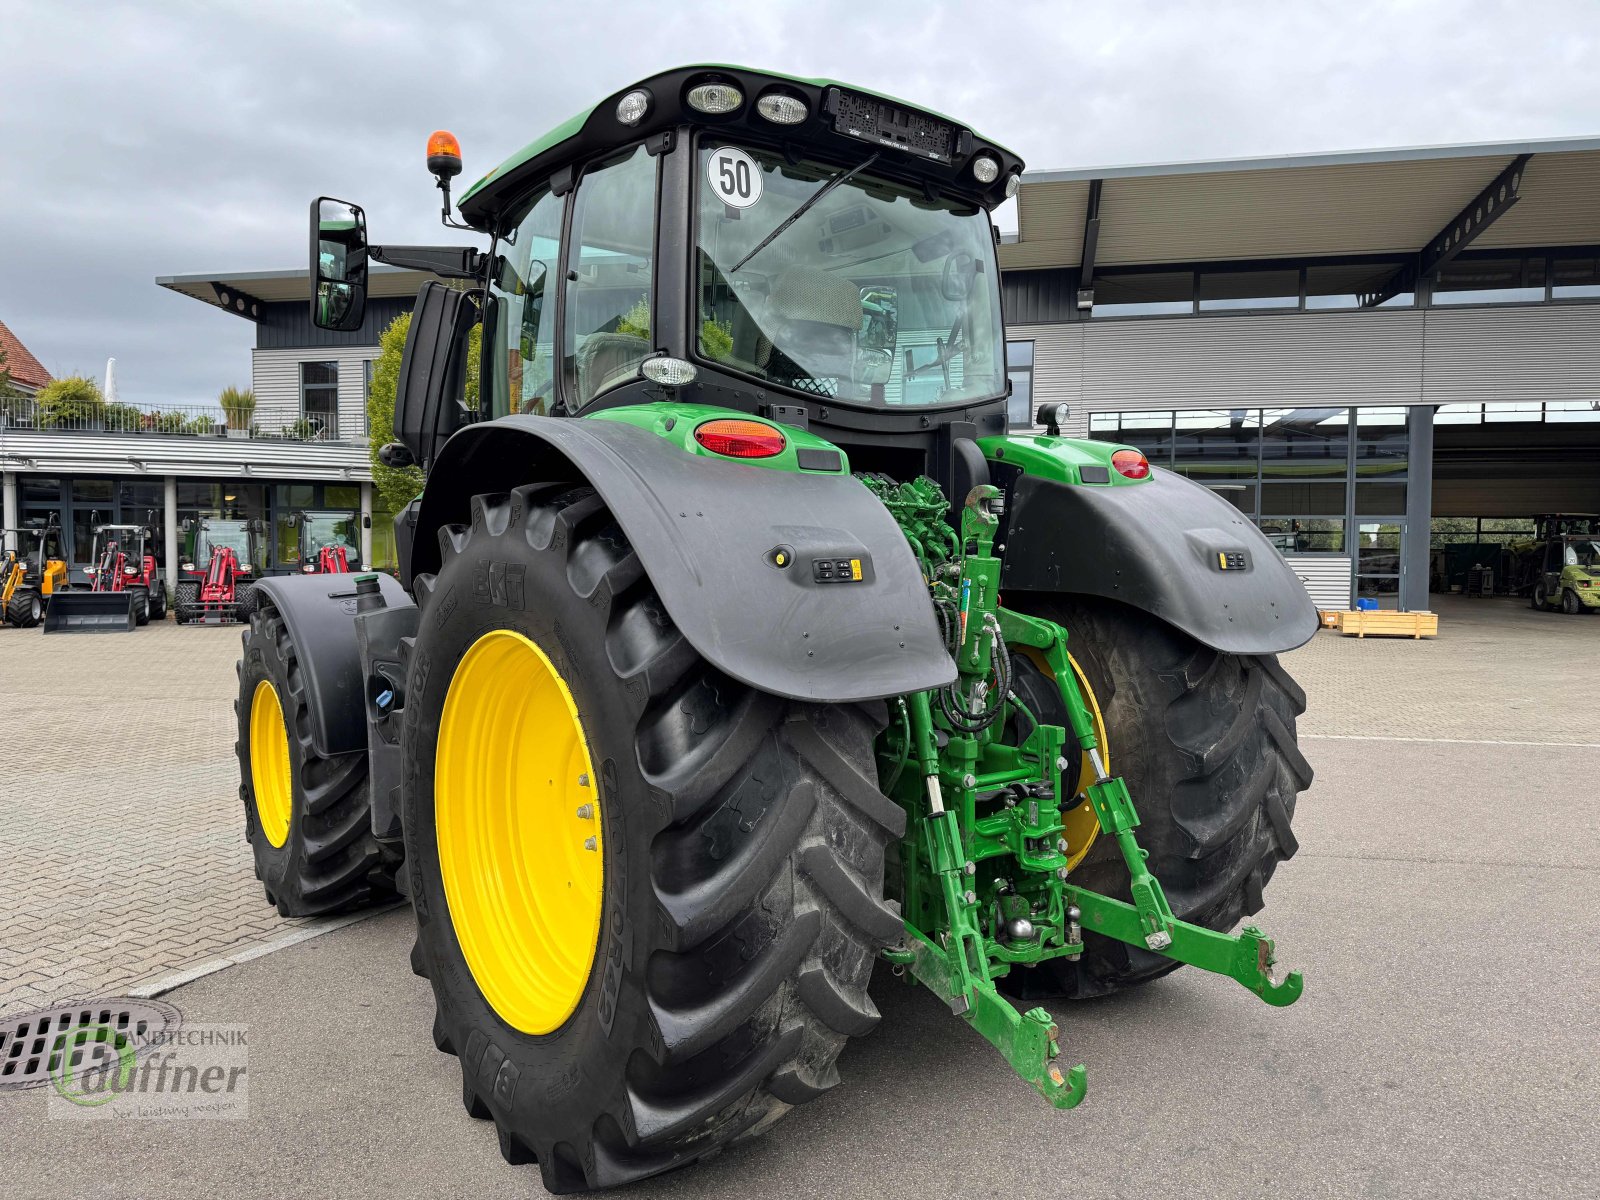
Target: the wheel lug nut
pixel 585 812
pixel 583 781
pixel 589 843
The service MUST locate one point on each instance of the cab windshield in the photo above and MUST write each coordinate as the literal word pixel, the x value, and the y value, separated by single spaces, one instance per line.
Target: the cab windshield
pixel 233 534
pixel 331 530
pixel 873 295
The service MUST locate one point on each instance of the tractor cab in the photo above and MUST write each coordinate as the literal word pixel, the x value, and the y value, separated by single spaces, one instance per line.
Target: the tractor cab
pixel 817 257
pixel 328 541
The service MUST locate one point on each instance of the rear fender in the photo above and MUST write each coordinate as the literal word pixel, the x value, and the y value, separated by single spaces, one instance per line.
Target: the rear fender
pixel 705 530
pixel 319 612
pixel 1165 545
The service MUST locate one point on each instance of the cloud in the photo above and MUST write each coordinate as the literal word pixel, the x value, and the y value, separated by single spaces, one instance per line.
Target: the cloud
pixel 185 137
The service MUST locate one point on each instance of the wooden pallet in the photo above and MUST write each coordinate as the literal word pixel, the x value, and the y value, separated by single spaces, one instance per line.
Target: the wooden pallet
pixel 1386 623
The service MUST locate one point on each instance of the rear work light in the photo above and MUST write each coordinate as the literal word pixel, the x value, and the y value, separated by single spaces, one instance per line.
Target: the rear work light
pixel 740 439
pixel 1131 463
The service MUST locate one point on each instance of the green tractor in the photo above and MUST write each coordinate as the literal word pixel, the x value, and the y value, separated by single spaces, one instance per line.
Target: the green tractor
pixel 1562 566
pixel 739 648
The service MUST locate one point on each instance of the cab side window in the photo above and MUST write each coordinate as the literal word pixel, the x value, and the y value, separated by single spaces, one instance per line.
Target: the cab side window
pixel 523 338
pixel 608 330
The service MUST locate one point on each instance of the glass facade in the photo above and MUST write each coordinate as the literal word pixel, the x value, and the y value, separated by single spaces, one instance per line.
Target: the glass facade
pixel 1317 480
pixel 1019 370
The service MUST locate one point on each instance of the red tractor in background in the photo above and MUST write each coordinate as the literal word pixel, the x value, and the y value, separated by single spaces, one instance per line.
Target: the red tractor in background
pixel 125 587
pixel 125 561
pixel 221 557
pixel 329 541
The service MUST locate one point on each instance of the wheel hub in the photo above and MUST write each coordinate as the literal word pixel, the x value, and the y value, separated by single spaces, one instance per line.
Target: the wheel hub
pixel 270 770
pixel 518 826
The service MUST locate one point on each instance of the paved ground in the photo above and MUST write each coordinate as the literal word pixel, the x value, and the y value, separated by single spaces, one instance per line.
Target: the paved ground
pixel 1441 907
pixel 123 855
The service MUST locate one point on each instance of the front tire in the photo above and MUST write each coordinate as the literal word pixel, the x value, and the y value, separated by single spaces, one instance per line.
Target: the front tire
pixel 1206 743
pixel 307 815
pixel 141 606
pixel 742 839
pixel 186 600
pixel 1570 604
pixel 25 610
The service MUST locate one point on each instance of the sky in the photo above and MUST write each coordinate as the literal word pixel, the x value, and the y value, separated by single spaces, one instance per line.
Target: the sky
pixel 139 140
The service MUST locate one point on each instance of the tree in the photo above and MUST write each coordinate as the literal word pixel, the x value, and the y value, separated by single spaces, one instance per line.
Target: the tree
pixel 71 403
pixel 398 487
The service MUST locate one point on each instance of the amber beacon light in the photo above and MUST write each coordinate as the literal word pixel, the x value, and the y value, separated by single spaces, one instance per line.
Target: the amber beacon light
pixel 444 154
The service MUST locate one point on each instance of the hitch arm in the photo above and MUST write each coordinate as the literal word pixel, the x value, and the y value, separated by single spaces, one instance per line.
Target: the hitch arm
pixel 1029 1041
pixel 1247 957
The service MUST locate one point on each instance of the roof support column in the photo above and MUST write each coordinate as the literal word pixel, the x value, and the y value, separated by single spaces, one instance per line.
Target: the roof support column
pixel 169 527
pixel 1416 546
pixel 10 513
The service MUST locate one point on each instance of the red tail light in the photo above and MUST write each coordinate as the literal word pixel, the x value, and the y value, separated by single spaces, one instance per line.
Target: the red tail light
pixel 1131 463
pixel 740 439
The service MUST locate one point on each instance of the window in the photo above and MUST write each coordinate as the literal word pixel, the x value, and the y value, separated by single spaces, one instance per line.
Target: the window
pixel 1382 443
pixel 1305 535
pixel 1218 445
pixel 1143 294
pixel 1302 442
pixel 1019 369
pixel 611 261
pixel 1490 281
pixel 1342 285
pixel 1575 278
pixel 877 295
pixel 319 399
pixel 521 330
pixel 366 396
pixel 1234 290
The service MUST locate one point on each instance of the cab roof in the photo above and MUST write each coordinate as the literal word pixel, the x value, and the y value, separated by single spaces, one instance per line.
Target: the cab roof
pixel 595 129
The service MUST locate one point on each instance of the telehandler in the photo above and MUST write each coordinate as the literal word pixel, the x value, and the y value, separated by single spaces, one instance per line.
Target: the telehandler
pixel 739 647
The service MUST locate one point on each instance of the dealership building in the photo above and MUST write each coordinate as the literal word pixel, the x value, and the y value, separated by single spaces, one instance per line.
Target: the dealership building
pixel 1389 360
pixel 1377 356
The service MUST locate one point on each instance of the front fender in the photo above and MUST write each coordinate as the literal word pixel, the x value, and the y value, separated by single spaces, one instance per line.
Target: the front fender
pixel 1167 546
pixel 705 530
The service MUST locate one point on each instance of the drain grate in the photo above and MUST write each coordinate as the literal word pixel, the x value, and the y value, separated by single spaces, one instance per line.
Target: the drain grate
pixel 89 1034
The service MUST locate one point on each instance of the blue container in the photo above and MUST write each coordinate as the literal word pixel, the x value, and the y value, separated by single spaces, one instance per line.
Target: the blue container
pixel 1366 606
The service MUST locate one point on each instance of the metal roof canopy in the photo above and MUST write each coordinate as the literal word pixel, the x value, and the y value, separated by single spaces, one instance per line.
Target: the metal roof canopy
pixel 1304 206
pixel 242 292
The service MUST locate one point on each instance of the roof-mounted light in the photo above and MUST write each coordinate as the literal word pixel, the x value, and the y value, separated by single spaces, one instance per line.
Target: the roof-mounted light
pixel 985 168
pixel 715 99
pixel 633 106
pixel 444 154
pixel 782 109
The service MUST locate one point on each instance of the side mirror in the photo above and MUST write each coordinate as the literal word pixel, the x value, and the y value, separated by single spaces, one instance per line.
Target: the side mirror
pixel 338 264
pixel 427 403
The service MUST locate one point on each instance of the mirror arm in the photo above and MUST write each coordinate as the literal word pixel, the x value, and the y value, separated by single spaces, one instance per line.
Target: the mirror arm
pixel 451 262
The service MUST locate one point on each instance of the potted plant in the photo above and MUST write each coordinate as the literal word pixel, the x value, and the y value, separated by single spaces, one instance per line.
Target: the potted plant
pixel 238 405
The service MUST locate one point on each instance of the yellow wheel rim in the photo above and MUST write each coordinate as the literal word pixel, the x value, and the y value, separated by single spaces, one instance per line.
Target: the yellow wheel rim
pixel 271 777
pixel 517 818
pixel 1081 825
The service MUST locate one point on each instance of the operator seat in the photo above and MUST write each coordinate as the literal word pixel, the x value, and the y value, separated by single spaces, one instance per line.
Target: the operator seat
pixel 816 315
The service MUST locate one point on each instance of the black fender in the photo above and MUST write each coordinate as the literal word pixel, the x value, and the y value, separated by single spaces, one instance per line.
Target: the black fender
pixel 705 530
pixel 320 612
pixel 1169 547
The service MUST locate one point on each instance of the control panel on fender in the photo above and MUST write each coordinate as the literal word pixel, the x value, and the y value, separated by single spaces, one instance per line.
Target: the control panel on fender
pixel 838 570
pixel 1232 560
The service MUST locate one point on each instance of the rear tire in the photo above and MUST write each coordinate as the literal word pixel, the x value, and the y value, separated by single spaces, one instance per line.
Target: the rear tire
pixel 186 601
pixel 742 872
pixel 329 862
pixel 1570 604
pixel 158 602
pixel 1206 742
